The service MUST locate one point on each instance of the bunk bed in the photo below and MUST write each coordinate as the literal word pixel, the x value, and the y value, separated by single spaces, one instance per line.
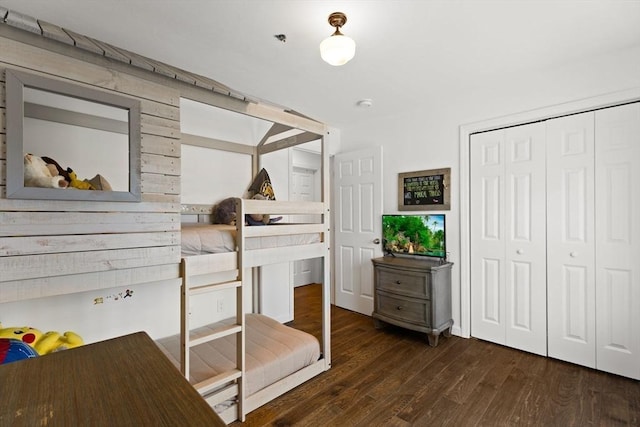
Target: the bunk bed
pixel 239 364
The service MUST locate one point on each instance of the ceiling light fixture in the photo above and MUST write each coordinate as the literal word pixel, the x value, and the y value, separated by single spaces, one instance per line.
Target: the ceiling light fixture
pixel 337 49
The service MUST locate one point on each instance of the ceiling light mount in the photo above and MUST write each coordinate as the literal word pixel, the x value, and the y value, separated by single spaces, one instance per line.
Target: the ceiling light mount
pixel 337 49
pixel 337 19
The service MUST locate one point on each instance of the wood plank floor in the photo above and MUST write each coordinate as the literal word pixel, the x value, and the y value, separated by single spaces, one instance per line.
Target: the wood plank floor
pixel 391 377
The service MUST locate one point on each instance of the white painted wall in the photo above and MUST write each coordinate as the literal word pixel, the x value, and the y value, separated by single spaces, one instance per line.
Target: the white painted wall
pixel 103 314
pixel 209 176
pixel 426 137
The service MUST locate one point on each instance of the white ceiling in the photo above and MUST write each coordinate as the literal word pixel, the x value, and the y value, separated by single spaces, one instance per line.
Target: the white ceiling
pixel 408 51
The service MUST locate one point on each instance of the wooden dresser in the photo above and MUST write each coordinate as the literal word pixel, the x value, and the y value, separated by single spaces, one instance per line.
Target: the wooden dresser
pixel 413 293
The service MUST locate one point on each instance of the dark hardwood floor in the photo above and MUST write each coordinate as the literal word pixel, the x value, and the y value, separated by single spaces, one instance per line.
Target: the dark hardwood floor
pixel 391 377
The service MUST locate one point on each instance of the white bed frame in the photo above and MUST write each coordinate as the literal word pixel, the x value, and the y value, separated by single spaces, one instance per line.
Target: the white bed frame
pixel 200 275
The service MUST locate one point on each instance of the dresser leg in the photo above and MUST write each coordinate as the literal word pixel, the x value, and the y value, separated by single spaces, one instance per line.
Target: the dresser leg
pixel 433 339
pixel 447 332
pixel 378 324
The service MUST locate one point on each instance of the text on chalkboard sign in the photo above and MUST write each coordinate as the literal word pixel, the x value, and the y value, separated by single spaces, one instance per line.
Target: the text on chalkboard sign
pixel 424 190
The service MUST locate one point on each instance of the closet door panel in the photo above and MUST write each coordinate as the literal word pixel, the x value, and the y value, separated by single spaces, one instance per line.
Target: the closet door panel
pixel 508 237
pixel 525 256
pixel 487 237
pixel 571 239
pixel 618 239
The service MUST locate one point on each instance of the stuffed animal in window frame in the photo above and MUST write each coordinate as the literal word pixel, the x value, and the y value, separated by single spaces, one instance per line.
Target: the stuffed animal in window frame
pixel 76 183
pixel 38 174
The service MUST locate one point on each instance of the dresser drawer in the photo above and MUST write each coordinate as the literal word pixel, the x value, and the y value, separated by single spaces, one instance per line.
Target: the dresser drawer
pixel 403 308
pixel 403 282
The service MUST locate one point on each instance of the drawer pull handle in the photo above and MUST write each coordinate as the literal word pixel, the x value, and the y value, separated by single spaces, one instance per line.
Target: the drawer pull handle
pixel 398 308
pixel 398 282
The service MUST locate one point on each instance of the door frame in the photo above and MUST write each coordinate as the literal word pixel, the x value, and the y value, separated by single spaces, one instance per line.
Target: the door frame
pixel 465 131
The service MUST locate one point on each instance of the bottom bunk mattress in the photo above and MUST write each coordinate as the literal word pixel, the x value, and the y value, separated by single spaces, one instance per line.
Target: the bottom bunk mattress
pixel 273 351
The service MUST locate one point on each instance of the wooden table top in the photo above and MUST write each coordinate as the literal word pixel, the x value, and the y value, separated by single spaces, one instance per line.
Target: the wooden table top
pixel 122 381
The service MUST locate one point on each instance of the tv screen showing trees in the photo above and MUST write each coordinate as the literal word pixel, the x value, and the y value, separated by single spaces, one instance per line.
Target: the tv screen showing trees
pixel 414 235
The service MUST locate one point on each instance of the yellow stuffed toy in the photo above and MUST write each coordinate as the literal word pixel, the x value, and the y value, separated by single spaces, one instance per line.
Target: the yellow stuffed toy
pixel 25 334
pixel 42 343
pixel 76 183
pixel 53 341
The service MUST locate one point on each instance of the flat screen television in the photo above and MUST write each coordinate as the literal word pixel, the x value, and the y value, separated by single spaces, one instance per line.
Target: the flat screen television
pixel 418 234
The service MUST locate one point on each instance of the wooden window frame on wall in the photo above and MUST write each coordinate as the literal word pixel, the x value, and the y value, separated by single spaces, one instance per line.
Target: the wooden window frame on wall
pixel 16 82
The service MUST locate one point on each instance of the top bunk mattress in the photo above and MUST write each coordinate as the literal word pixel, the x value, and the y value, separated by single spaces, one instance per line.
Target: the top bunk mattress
pixel 200 238
pixel 273 351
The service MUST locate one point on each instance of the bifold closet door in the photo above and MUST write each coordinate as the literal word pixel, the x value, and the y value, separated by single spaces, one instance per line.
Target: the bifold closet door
pixel 508 271
pixel 617 211
pixel 571 239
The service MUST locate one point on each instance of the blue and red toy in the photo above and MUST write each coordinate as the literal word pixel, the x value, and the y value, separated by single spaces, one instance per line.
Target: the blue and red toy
pixel 12 350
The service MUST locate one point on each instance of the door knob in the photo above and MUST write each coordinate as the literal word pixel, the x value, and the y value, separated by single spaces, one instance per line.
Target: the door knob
pixel 520 251
pixel 376 241
pixel 573 254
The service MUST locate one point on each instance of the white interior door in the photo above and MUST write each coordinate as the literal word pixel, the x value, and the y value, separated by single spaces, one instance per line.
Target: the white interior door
pixel 508 256
pixel 570 239
pixel 617 169
pixel 303 188
pixel 358 217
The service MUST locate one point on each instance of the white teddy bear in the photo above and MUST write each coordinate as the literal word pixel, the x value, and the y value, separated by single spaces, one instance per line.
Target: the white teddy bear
pixel 38 174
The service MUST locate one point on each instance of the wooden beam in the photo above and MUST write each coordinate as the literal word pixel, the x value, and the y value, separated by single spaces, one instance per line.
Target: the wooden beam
pixel 276 129
pixel 218 144
pixel 291 141
pixel 59 115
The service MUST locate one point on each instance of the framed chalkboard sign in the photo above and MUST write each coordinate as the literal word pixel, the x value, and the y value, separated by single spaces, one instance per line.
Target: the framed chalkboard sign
pixel 424 190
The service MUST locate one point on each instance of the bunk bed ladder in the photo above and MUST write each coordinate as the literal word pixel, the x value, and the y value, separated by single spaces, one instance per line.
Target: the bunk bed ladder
pixel 225 385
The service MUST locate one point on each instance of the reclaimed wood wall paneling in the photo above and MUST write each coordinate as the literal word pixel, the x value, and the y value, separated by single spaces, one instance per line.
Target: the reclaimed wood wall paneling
pixel 51 247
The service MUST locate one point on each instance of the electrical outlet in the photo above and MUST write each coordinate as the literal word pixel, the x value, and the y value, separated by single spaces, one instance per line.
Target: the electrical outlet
pixel 220 306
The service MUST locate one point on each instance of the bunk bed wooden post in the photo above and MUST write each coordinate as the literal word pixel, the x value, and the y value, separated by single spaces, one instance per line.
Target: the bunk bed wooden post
pixel 240 314
pixel 184 321
pixel 326 260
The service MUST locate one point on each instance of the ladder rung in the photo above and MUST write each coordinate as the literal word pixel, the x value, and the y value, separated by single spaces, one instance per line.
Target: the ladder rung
pixel 214 287
pixel 203 337
pixel 207 385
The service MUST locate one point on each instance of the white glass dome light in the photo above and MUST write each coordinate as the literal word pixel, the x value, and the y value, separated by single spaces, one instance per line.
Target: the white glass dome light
pixel 337 49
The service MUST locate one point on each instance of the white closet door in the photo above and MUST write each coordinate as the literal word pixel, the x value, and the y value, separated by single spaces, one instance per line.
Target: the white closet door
pixel 570 239
pixel 525 203
pixel 488 241
pixel 508 237
pixel 618 239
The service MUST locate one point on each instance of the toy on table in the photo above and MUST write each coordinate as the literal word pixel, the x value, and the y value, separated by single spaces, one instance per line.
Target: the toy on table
pixel 12 350
pixel 42 343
